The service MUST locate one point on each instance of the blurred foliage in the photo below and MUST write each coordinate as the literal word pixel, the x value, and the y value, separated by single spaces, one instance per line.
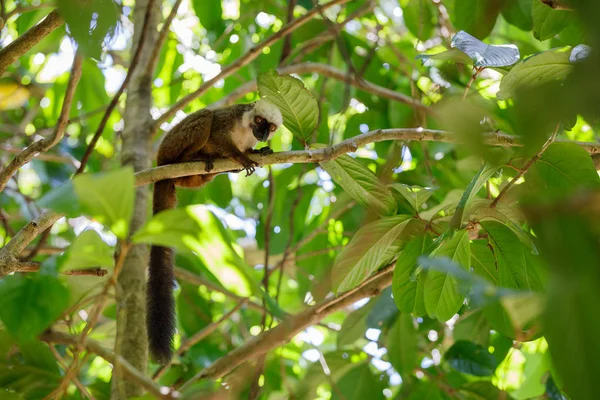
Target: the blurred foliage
pixel 488 301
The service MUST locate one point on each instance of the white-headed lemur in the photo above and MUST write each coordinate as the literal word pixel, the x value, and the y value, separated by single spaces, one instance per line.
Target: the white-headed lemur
pixel 229 132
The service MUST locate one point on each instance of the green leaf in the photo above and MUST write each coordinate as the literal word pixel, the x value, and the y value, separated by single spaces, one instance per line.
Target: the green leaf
pixel 401 343
pixel 359 383
pixel 354 326
pixel 476 17
pixel 535 71
pixel 482 390
pixel 361 184
pixel 298 106
pixel 563 170
pixel 482 176
pixel 29 304
pixel 472 327
pixel 548 22
pixel 210 14
pixel 196 229
pixel 88 250
pixel 107 196
pixel 419 17
pixel 90 22
pixel 372 247
pixel 442 296
pixel 407 285
pixel 514 14
pixel 415 195
pixel 506 216
pixel 471 358
pixel 513 264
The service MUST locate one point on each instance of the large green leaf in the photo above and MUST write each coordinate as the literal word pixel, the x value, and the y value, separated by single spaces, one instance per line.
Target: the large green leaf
pixel 298 106
pixel 548 22
pixel 476 17
pixel 88 250
pixel 90 22
pixel 407 286
pixel 372 246
pixel 196 229
pixel 420 17
pixel 471 358
pixel 107 196
pixel 29 304
pixel 563 169
pixel 537 70
pixel 401 343
pixel 514 14
pixel 442 295
pixel 210 15
pixel 482 390
pixel 415 195
pixel 361 184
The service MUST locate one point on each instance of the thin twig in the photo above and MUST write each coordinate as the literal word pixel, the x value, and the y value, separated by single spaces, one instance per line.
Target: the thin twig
pixel 476 71
pixel 30 266
pixel 331 72
pixel 26 41
pixel 244 60
pixel 162 36
pixel 117 96
pixel 43 145
pixel 159 392
pixel 283 332
pixel 63 365
pixel 525 168
pixel 198 337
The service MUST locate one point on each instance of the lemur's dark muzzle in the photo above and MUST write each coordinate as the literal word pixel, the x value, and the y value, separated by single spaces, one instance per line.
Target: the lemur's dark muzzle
pixel 261 131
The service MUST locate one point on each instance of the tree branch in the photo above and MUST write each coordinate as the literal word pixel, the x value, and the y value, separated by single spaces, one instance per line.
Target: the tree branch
pixel 332 72
pixel 250 55
pixel 42 145
pixel 26 41
pixel 330 153
pixel 162 36
pixel 160 392
pixel 288 328
pixel 198 337
pixel 117 96
pixel 9 253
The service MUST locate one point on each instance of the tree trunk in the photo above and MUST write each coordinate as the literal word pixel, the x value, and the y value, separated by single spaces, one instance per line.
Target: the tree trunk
pixel 131 341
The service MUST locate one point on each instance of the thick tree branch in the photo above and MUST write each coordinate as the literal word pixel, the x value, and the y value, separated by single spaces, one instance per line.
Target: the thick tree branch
pixel 290 327
pixel 250 55
pixel 8 255
pixel 42 145
pixel 330 153
pixel 160 392
pixel 26 41
pixel 331 72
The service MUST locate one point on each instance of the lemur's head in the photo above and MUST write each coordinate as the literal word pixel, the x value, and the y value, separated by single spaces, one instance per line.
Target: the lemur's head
pixel 264 119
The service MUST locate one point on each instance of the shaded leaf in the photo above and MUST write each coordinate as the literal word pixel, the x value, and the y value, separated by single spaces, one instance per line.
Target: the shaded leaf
pixel 367 250
pixel 401 343
pixel 29 304
pixel 361 184
pixel 407 286
pixel 442 296
pixel 547 22
pixel 471 358
pixel 534 71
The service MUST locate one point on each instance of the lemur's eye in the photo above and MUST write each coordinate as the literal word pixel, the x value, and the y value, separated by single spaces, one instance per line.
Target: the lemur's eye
pixel 258 120
pixel 272 127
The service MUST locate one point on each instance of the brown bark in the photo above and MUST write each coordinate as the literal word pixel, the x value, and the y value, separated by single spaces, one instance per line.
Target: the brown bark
pixel 131 341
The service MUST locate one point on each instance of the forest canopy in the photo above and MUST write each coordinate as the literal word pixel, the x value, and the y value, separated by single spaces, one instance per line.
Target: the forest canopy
pixel 426 228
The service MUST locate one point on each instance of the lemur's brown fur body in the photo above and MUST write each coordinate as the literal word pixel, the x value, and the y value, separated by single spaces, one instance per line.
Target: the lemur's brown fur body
pixel 229 132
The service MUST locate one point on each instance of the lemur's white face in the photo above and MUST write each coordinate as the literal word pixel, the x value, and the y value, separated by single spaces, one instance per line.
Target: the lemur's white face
pixel 264 119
